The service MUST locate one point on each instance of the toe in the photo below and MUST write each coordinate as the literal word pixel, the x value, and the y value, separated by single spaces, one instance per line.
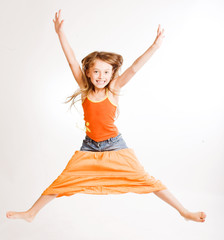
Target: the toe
pixel 203 215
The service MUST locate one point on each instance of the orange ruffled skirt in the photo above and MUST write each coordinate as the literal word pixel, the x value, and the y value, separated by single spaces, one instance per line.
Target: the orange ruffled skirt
pixel 108 172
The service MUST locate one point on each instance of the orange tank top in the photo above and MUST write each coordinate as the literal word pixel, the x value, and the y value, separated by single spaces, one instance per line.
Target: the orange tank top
pixel 99 118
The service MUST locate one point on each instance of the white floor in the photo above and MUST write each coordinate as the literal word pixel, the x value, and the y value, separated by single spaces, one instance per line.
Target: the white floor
pixel 126 216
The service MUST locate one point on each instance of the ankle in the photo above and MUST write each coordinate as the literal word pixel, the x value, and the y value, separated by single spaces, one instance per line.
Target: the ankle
pixel 184 212
pixel 31 213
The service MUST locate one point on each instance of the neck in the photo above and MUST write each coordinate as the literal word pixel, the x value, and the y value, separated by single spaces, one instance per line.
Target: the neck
pixel 99 90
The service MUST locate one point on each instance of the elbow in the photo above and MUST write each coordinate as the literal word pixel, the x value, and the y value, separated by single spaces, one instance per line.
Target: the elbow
pixel 134 68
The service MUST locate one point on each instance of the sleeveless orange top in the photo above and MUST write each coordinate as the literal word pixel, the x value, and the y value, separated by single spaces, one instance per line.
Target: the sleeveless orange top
pixel 99 118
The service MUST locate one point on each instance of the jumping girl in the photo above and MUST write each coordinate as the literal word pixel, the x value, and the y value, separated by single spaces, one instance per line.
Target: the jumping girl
pixel 104 164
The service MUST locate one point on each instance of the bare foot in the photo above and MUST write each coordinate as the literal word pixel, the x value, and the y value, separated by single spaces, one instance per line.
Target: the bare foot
pixel 20 215
pixel 196 216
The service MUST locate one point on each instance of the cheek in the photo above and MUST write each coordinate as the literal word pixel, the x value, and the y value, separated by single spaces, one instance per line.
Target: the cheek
pixel 92 76
pixel 109 76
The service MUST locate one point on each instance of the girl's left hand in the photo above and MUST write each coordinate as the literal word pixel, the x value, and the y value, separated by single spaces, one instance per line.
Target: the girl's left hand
pixel 159 38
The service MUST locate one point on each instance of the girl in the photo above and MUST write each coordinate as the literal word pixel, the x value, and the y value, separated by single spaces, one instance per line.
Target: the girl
pixel 104 164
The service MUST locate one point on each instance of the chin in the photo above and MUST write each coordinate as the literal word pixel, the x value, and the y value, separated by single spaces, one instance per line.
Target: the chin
pixel 101 86
pixel 97 87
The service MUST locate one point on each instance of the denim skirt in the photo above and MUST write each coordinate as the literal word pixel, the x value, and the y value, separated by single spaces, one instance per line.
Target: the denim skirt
pixel 111 144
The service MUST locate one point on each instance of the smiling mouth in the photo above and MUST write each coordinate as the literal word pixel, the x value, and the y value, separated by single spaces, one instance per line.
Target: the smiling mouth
pixel 100 81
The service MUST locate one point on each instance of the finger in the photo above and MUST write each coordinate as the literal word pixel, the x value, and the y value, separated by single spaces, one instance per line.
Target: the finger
pixel 158 29
pixel 62 22
pixel 59 15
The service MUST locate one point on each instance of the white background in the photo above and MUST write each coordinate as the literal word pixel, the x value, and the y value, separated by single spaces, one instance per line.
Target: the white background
pixel 172 115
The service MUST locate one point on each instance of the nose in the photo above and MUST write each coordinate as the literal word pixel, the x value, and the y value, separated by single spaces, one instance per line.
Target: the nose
pixel 101 75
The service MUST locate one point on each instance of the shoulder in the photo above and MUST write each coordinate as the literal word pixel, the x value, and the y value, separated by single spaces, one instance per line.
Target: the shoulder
pixel 84 95
pixel 114 92
pixel 114 86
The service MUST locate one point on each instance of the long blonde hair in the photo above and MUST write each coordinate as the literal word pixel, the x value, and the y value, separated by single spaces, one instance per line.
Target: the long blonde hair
pixel 115 60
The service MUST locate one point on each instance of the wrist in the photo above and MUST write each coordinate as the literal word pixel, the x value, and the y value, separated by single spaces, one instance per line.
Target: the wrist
pixel 61 32
pixel 155 46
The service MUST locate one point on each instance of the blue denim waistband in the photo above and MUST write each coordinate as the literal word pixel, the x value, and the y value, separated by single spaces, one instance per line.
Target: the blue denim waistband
pixel 107 140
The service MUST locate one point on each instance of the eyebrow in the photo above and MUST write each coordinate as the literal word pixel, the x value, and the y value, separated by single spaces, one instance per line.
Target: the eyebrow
pixel 104 69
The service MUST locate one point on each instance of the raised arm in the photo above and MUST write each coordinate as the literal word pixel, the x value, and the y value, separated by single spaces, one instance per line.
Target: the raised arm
pixel 69 54
pixel 139 62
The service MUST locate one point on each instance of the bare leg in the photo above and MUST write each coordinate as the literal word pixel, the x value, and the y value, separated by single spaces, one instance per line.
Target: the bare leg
pixel 168 197
pixel 32 212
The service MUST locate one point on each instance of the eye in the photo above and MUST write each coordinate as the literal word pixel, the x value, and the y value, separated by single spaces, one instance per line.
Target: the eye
pixel 95 71
pixel 106 72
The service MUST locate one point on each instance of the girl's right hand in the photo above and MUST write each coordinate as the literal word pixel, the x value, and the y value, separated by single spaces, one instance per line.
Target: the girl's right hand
pixel 58 22
pixel 159 38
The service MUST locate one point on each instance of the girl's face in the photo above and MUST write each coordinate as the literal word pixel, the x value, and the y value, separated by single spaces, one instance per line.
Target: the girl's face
pixel 100 74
